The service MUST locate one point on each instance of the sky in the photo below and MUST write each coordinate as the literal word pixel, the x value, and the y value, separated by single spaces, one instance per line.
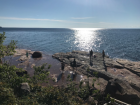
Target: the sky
pixel 70 13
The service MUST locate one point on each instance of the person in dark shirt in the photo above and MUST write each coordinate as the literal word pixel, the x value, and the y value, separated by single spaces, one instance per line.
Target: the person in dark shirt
pixel 103 54
pixel 26 53
pixel 74 64
pixel 62 66
pixel 91 53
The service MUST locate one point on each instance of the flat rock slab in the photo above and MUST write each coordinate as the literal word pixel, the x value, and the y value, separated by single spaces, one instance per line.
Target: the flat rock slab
pixel 124 73
pixel 22 52
pixel 130 65
pixel 123 70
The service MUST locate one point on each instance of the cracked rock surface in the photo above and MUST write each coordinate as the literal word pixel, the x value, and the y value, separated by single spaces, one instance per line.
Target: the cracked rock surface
pixel 121 76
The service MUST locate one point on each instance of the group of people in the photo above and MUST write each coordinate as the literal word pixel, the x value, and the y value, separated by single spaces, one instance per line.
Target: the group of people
pixel 91 54
pixel 74 61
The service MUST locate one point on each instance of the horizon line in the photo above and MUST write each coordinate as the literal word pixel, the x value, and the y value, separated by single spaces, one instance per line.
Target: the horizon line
pixel 67 27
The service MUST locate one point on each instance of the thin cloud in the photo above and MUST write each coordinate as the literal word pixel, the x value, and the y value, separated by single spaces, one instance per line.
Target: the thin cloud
pixel 81 17
pixel 15 18
pixel 31 19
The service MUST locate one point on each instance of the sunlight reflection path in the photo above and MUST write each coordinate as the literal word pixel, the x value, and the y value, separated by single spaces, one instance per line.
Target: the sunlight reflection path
pixel 85 39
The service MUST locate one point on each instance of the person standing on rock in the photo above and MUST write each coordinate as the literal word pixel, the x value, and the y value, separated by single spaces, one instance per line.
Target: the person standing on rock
pixel 74 64
pixel 62 66
pixel 103 54
pixel 26 53
pixel 91 53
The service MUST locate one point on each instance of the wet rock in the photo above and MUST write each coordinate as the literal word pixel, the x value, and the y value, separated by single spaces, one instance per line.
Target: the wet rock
pixel 37 54
pixel 23 58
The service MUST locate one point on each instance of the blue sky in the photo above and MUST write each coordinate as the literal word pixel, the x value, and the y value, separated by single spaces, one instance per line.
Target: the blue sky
pixel 70 13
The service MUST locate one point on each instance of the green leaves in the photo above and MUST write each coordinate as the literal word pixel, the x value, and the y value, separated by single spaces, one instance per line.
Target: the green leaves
pixel 6 50
pixel 40 74
pixel 2 38
pixel 84 93
pixel 7 96
pixel 8 75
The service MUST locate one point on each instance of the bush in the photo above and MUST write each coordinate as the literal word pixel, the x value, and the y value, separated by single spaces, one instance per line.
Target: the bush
pixel 6 50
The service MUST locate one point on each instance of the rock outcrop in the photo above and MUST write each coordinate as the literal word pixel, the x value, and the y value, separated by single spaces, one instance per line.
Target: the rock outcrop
pixel 37 54
pixel 123 76
pixel 123 91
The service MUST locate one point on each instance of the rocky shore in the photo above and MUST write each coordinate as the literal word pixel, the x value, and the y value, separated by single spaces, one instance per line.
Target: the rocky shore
pixel 20 60
pixel 118 77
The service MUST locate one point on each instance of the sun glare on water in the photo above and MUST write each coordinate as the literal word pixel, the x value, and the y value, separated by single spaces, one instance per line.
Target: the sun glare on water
pixel 85 38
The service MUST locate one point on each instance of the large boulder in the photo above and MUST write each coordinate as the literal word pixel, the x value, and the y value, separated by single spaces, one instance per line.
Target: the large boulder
pixel 123 91
pixel 37 54
pixel 24 89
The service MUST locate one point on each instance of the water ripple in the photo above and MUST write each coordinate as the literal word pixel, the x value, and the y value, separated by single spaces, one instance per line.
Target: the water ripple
pixel 117 43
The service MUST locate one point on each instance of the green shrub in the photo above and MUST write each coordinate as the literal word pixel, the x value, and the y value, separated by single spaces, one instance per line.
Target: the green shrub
pixel 7 96
pixel 6 50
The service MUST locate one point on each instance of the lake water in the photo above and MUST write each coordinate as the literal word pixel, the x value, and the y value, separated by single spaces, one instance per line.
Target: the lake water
pixel 117 43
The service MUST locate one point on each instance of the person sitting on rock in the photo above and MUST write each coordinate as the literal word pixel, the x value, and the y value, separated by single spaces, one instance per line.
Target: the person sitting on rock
pixel 94 56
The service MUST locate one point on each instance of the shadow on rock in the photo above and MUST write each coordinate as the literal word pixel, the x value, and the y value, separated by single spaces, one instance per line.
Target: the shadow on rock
pixel 122 91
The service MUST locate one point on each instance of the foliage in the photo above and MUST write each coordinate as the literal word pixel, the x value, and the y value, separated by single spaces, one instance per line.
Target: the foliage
pixel 6 50
pixel 40 74
pixel 9 76
pixel 84 93
pixel 6 95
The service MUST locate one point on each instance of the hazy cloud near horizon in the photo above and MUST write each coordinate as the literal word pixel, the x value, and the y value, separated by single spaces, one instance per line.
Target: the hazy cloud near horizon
pixel 34 19
pixel 81 17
